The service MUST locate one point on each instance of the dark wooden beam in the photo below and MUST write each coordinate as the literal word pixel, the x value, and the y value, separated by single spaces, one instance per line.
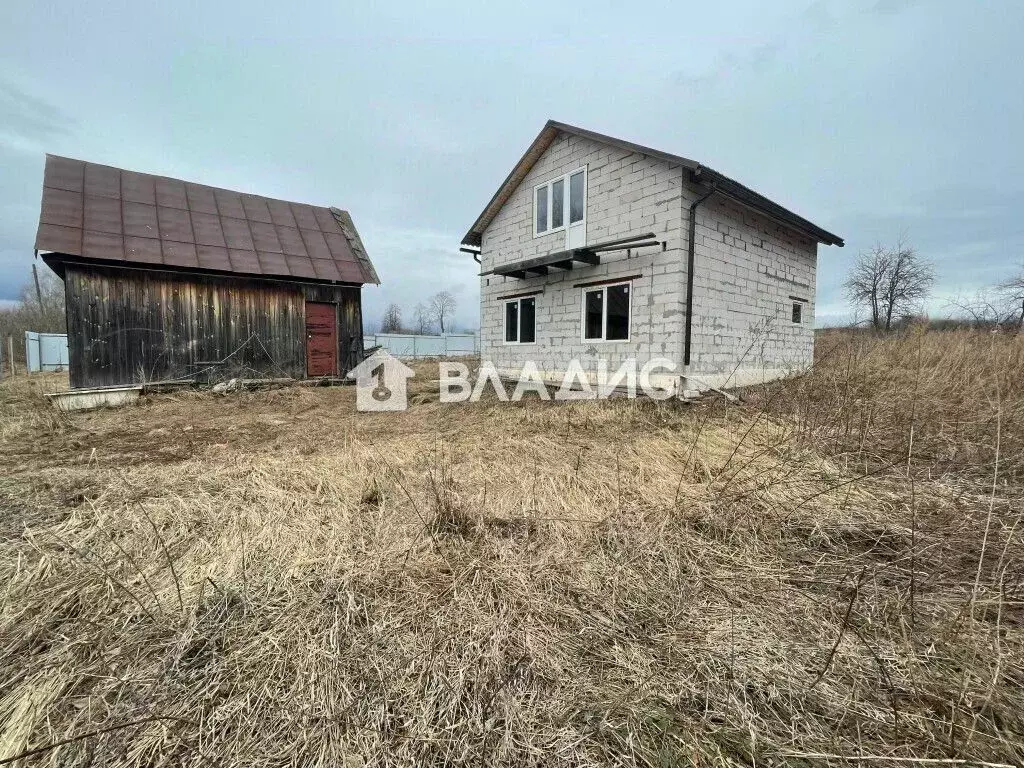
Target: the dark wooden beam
pixel 508 296
pixel 608 281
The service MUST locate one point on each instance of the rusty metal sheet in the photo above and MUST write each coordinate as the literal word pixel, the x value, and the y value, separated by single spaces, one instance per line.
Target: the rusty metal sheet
pixel 256 209
pixel 102 245
pixel 326 221
pixel 102 181
pixel 273 264
pixel 155 219
pixel 304 216
pixel 326 269
pixel 170 193
pixel 229 203
pixel 51 237
pixel 64 173
pixel 300 266
pixel 265 238
pixel 62 208
pixel 103 214
pixel 339 247
pixel 139 220
pixel 207 229
pixel 201 199
pixel 245 262
pixel 175 224
pixel 291 241
pixel 179 254
pixel 281 214
pixel 213 257
pixel 237 233
pixel 350 271
pixel 143 249
pixel 138 188
pixel 316 246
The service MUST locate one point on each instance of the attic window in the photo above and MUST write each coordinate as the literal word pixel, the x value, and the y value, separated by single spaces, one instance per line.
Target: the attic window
pixel 553 207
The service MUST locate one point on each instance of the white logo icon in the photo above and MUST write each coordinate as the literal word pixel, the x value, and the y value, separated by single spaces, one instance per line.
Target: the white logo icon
pixel 381 383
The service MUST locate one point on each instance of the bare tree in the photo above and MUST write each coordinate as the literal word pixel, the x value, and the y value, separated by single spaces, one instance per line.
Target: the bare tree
pixel 1011 294
pixel 392 321
pixel 421 319
pixel 40 307
pixel 890 282
pixel 864 285
pixel 442 307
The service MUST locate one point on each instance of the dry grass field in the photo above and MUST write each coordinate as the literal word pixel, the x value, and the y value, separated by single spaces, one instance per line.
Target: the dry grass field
pixel 829 573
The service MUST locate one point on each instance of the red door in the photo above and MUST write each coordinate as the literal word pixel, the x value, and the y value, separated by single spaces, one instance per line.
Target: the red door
pixel 321 339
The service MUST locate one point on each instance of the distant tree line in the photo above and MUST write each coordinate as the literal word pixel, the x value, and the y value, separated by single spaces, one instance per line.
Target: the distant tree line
pixel 39 307
pixel 427 318
pixel 892 283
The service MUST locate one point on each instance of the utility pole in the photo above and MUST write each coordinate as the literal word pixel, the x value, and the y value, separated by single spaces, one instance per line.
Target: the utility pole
pixel 39 291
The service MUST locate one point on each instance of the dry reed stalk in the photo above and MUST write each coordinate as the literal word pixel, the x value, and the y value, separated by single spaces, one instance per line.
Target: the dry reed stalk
pixel 269 579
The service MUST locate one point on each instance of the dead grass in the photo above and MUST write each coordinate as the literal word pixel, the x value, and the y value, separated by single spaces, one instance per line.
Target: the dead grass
pixel 269 579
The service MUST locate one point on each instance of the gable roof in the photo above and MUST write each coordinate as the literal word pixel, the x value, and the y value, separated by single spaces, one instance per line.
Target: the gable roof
pixel 111 215
pixel 699 174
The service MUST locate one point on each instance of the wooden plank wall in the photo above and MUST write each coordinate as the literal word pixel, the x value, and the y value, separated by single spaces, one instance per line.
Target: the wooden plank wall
pixel 131 326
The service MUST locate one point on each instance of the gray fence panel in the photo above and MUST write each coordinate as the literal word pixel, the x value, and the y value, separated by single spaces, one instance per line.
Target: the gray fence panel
pixel 46 351
pixel 411 345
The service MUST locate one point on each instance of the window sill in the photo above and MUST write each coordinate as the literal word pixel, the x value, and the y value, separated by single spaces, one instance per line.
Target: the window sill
pixel 548 232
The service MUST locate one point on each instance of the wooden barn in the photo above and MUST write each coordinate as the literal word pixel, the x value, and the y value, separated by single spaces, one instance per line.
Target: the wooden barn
pixel 166 280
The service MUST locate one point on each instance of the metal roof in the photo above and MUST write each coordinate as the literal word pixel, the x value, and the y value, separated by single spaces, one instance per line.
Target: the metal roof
pixel 699 174
pixel 112 215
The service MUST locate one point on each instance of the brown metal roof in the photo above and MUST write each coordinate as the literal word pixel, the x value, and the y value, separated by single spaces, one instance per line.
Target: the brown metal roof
pixel 108 214
pixel 699 174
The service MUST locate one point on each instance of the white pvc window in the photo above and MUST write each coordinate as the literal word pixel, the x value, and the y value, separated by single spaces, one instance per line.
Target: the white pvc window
pixel 521 320
pixel 607 312
pixel 559 202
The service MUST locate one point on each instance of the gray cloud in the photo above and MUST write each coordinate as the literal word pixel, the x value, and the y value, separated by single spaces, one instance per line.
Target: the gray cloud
pixel 868 120
pixel 28 118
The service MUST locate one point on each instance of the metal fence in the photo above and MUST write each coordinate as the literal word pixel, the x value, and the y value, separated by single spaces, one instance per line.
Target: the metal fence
pixel 46 351
pixel 411 345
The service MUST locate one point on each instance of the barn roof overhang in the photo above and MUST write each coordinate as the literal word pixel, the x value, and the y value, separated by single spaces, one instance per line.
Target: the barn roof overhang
pixel 57 262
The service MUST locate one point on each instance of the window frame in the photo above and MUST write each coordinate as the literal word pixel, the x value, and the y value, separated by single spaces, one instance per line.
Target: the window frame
pixel 584 290
pixel 519 319
pixel 797 308
pixel 566 202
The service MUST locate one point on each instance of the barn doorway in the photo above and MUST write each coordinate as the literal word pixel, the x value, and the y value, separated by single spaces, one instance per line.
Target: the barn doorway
pixel 321 339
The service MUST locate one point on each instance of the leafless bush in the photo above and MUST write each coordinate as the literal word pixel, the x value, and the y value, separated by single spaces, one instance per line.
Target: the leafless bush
pixel 42 312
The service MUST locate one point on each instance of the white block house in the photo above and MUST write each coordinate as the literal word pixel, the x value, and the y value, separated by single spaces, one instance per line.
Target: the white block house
pixel 596 248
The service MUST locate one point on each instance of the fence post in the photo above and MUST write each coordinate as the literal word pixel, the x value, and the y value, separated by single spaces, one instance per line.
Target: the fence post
pixel 10 353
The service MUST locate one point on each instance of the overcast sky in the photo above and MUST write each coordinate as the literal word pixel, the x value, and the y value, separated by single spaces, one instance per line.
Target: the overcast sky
pixel 868 118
